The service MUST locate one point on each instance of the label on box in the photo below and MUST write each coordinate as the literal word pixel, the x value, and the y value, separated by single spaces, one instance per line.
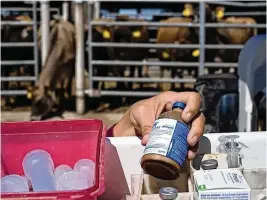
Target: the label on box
pixel 168 138
pixel 221 184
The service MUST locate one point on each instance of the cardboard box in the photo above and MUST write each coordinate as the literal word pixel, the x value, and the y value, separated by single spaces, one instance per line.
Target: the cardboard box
pixel 218 184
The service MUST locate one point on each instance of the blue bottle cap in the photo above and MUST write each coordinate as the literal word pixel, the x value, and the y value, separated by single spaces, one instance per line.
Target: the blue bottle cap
pixel 178 105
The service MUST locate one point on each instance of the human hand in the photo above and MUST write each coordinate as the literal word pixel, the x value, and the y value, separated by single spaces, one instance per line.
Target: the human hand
pixel 139 119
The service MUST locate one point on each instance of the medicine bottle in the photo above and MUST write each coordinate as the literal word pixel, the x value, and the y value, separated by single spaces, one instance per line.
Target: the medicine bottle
pixel 167 146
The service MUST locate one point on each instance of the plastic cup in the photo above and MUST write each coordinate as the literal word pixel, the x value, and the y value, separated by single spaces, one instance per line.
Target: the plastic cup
pixel 72 180
pixel 61 169
pixel 14 183
pixel 38 166
pixel 86 167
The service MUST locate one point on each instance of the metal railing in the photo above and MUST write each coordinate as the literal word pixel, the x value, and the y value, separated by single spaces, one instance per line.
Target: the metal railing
pixel 20 44
pixel 6 63
pixel 202 25
pixel 172 14
pixel 159 24
pixel 56 10
pixel 34 62
pixel 152 26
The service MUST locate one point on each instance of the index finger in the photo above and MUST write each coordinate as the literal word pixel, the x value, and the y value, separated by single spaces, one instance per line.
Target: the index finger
pixel 191 99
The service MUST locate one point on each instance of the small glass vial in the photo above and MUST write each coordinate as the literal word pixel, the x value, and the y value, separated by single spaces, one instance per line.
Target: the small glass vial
pixel 209 164
pixel 168 193
pixel 232 150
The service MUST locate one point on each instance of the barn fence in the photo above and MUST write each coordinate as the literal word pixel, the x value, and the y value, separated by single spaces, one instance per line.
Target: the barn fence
pixel 94 12
pixel 34 62
pixel 154 25
pixel 34 11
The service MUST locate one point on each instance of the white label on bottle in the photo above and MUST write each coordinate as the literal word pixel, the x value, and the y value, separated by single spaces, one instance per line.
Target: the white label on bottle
pixel 168 138
pixel 160 137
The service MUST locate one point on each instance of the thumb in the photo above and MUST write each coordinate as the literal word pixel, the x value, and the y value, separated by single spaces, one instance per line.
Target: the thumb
pixel 146 128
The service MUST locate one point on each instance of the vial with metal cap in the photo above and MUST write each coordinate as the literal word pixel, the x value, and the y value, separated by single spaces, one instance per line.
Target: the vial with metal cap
pixel 232 151
pixel 167 146
pixel 209 164
pixel 168 193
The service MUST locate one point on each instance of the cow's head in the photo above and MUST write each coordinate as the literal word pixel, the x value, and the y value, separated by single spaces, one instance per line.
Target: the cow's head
pixel 188 10
pixel 42 102
pixel 210 17
pixel 17 33
pixel 184 54
pixel 27 32
pixel 101 33
pixel 218 14
pixel 121 34
pixel 125 34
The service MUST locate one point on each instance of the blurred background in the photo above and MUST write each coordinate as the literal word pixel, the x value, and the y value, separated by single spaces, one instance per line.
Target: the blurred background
pixel 75 59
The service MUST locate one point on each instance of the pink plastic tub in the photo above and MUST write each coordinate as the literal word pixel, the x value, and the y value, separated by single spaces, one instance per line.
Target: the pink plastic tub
pixel 66 141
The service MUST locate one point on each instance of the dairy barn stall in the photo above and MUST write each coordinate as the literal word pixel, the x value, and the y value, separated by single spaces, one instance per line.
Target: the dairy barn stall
pixel 99 73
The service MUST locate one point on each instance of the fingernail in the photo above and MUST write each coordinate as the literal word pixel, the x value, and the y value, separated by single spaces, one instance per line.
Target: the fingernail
pixel 194 140
pixel 188 117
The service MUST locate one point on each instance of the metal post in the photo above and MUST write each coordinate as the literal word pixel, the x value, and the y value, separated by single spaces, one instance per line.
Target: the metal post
pixel 79 65
pixel 45 22
pixel 35 40
pixel 90 49
pixel 202 38
pixel 96 10
pixel 65 10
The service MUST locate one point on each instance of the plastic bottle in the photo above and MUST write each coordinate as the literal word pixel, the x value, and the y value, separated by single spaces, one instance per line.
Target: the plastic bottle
pixel 167 146
pixel 14 183
pixel 38 166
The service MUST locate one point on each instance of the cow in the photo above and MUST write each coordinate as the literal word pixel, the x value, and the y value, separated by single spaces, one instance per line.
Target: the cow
pixel 59 69
pixel 237 36
pixel 211 55
pixel 225 36
pixel 177 35
pixel 129 34
pixel 104 34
